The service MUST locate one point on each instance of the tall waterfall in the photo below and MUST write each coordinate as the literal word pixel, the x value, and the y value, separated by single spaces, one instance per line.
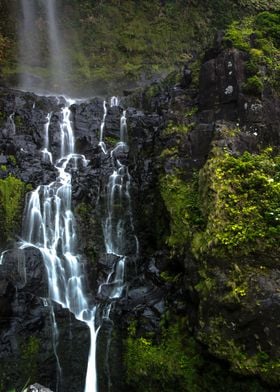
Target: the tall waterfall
pixel 57 57
pixel 50 224
pixel 50 227
pixel 32 55
pixel 29 53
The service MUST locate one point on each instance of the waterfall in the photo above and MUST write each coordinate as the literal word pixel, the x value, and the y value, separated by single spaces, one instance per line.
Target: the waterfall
pixel 101 141
pixel 118 227
pixel 29 53
pixel 11 124
pixel 47 155
pixel 57 60
pixel 50 227
pixel 33 55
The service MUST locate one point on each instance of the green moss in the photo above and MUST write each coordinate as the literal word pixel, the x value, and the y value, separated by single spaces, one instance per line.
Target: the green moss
pixel 174 358
pixel 253 85
pixel 169 152
pixel 232 210
pixel 3 168
pixel 181 201
pixel 178 128
pixel 238 34
pixel 12 159
pixel 12 191
pixel 259 364
pixel 29 359
pixel 259 37
pixel 110 140
pixel 240 198
pixel 153 367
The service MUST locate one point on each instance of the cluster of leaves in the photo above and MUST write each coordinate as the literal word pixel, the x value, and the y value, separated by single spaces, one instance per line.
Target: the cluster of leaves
pixel 259 36
pixel 176 359
pixel 239 199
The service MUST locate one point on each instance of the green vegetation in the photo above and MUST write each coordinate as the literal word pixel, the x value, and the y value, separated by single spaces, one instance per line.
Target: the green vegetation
pixel 29 359
pixel 231 211
pixel 181 200
pixel 12 191
pixel 18 372
pixel 175 359
pixel 178 129
pixel 259 36
pixel 220 344
pixel 121 41
pixel 239 200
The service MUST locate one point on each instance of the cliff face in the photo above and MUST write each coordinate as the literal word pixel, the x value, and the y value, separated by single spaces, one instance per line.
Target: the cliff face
pixel 216 159
pixel 201 305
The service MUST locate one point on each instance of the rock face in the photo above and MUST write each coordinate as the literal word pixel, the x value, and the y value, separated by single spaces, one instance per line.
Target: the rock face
pixel 37 388
pixel 229 305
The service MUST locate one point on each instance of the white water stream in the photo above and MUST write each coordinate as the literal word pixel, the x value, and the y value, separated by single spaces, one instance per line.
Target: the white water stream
pixel 50 227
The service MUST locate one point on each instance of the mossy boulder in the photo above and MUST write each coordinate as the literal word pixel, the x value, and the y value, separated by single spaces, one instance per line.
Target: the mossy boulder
pixel 12 193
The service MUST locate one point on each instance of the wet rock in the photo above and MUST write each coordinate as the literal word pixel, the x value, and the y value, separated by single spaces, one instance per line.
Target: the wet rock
pixel 37 388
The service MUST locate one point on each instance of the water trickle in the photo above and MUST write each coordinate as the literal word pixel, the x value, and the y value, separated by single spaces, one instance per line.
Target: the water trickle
pixel 101 141
pixel 2 256
pixel 11 124
pixel 114 102
pixel 47 155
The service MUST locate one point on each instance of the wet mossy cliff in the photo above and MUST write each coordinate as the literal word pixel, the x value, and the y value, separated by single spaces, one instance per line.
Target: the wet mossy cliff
pixel 213 220
pixel 201 308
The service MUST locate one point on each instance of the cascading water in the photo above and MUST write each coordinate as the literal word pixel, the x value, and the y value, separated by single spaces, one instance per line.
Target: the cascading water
pixel 32 38
pixel 47 155
pixel 50 225
pixel 57 58
pixel 118 227
pixel 28 43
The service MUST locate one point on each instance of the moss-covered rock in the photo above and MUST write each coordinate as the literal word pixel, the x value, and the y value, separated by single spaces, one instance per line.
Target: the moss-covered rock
pixel 239 199
pixel 259 37
pixel 12 193
pixel 181 201
pixel 175 358
pixel 236 318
